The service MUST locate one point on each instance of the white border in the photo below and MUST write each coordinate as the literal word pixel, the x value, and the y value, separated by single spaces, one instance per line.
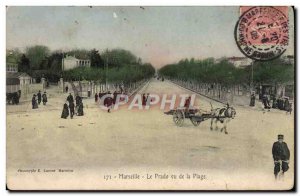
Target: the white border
pixel 3 3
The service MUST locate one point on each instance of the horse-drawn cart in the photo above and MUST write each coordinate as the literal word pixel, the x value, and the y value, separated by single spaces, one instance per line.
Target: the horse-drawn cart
pixel 197 116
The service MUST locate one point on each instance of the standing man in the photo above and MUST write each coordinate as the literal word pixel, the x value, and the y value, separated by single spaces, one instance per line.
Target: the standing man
pixel 70 98
pixel 45 98
pixel 67 89
pixel 96 97
pixel 77 100
pixel 72 109
pixel 252 100
pixel 281 156
pixel 34 103
pixel 39 95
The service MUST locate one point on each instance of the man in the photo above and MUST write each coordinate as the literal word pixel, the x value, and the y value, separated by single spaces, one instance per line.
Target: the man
pixel 77 100
pixel 45 98
pixel 34 103
pixel 96 97
pixel 39 95
pixel 252 100
pixel 70 98
pixel 67 88
pixel 281 156
pixel 72 109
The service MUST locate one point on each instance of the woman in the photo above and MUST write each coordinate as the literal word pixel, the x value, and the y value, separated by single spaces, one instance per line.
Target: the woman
pixel 65 112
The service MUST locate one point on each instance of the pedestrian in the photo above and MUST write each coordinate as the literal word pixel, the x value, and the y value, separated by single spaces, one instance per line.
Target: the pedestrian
pixel 96 97
pixel 45 98
pixel 252 100
pixel 108 102
pixel 115 94
pixel 281 156
pixel 39 95
pixel 65 112
pixel 266 102
pixel 67 89
pixel 34 103
pixel 80 109
pixel 144 100
pixel 77 100
pixel 72 109
pixel 70 98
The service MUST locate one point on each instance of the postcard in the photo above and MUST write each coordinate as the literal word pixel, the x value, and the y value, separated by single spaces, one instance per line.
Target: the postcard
pixel 150 98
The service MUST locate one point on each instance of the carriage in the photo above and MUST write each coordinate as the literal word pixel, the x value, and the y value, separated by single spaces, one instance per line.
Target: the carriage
pixel 197 116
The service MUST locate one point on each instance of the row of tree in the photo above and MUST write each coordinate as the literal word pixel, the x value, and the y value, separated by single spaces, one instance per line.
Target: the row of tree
pixel 225 73
pixel 125 74
pixel 39 61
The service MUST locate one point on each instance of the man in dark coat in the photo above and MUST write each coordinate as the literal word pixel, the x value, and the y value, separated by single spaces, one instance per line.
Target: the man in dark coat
pixel 77 100
pixel 39 95
pixel 70 98
pixel 281 156
pixel 45 98
pixel 34 103
pixel 96 97
pixel 252 100
pixel 65 112
pixel 72 109
pixel 67 88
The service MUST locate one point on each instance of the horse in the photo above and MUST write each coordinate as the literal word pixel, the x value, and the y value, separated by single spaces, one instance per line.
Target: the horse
pixel 222 115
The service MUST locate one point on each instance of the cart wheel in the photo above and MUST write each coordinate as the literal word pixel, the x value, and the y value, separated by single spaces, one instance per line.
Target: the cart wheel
pixel 178 117
pixel 195 122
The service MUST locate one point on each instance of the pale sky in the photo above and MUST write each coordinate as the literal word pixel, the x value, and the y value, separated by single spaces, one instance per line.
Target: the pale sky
pixel 159 35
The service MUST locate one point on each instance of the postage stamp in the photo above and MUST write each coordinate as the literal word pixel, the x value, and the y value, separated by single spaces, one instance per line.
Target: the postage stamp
pixel 262 33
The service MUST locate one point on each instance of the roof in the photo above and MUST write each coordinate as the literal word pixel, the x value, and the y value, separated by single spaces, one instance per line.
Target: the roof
pixel 237 58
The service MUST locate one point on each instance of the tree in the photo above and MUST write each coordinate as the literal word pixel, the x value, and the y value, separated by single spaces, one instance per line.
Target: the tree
pixel 37 56
pixel 24 64
pixel 96 60
pixel 118 57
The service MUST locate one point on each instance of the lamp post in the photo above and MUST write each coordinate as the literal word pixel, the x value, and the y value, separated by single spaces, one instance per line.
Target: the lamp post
pixel 106 69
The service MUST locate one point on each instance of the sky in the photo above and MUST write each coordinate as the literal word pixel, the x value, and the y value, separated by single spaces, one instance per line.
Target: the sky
pixel 159 35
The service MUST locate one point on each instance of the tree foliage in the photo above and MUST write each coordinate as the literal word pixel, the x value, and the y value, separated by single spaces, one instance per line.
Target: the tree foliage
pixel 225 73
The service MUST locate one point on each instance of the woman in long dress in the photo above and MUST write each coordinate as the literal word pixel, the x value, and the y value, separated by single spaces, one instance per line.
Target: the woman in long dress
pixel 65 112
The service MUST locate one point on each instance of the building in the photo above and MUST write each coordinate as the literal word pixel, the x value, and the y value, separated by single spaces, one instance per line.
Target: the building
pixel 240 62
pixel 11 64
pixel 14 79
pixel 71 62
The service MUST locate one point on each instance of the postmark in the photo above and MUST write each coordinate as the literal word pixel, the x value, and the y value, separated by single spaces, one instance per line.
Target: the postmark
pixel 262 33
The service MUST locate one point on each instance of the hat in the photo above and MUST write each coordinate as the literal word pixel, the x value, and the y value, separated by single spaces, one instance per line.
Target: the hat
pixel 280 136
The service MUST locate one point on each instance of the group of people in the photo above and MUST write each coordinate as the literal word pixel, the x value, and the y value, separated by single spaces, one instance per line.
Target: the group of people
pixel 109 101
pixel 277 103
pixel 38 98
pixel 72 109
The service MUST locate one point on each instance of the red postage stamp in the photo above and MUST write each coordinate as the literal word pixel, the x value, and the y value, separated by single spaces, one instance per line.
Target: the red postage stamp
pixel 261 33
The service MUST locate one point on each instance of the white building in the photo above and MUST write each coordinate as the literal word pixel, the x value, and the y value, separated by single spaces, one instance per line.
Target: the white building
pixel 70 62
pixel 240 62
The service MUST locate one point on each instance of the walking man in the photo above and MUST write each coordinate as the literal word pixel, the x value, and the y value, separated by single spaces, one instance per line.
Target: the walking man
pixel 281 156
pixel 45 98
pixel 72 109
pixel 70 98
pixel 39 95
pixel 34 103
